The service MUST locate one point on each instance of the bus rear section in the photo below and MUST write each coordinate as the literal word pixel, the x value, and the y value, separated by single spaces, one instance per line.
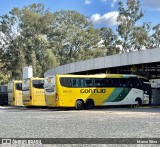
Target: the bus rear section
pixel 33 92
pixel 15 93
pixel 50 91
pixel 3 95
pixel 87 91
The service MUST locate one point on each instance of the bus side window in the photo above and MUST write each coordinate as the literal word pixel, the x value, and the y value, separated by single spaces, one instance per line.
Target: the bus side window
pixel 83 83
pixel 109 82
pixel 98 83
pixel 89 82
pixel 66 82
pixel 129 83
pixel 74 82
pixel 116 82
pixel 122 82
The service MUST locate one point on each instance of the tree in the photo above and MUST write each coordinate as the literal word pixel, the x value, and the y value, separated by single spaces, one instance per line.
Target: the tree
pixel 127 19
pixel 35 25
pixel 71 34
pixel 140 38
pixel 30 46
pixel 34 36
pixel 8 40
pixel 109 41
pixel 156 36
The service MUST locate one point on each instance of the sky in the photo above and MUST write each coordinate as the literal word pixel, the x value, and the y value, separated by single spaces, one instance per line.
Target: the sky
pixel 102 13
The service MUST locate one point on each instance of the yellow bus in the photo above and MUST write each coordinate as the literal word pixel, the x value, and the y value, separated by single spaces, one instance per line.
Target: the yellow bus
pixel 87 91
pixel 33 92
pixel 15 93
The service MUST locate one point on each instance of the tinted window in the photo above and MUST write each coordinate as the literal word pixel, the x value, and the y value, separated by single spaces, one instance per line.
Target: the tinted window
pixel 142 80
pixel 129 83
pixel 77 82
pixel 38 84
pixel 65 82
pixel 19 86
pixel 147 89
pixel 89 83
pixel 136 83
pixel 116 82
pixel 80 82
pixel 109 82
pixel 146 86
pixel 101 82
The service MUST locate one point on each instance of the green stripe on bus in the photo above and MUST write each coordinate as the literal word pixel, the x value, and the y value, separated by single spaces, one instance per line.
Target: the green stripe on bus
pixel 118 94
pixel 114 95
pixel 122 95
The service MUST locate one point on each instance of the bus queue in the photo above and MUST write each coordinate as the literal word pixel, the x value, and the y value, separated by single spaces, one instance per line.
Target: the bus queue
pixel 78 91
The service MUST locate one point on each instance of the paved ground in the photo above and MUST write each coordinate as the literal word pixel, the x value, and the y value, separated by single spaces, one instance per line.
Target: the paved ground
pixel 98 123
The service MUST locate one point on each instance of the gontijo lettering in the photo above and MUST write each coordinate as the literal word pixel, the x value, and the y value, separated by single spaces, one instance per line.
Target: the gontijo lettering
pixel 93 91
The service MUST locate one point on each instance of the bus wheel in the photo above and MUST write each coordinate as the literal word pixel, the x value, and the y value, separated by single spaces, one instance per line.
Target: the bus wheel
pixel 89 104
pixel 79 105
pixel 139 101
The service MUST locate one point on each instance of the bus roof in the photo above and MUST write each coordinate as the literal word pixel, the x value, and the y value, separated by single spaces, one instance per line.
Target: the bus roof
pixel 16 81
pixel 99 76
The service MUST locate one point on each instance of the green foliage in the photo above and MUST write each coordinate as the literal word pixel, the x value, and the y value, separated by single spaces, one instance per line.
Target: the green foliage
pixel 128 16
pixel 109 41
pixel 140 37
pixel 156 36
pixel 35 36
pixel 72 32
pixel 28 43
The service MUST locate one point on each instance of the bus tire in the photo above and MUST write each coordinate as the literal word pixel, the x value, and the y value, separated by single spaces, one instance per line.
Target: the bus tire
pixel 89 104
pixel 139 101
pixel 79 105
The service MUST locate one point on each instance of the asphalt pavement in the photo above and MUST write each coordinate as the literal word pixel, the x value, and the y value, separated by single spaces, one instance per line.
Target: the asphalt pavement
pixel 21 122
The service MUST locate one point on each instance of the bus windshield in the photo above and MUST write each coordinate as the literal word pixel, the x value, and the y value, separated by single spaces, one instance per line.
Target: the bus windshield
pixel 146 86
pixel 38 84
